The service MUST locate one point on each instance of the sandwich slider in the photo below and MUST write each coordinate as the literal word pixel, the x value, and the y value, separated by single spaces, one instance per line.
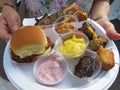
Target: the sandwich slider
pixel 28 44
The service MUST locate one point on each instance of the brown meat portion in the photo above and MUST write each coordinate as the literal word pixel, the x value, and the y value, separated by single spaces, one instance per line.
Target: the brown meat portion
pixel 27 59
pixel 86 29
pixel 47 20
pixel 85 67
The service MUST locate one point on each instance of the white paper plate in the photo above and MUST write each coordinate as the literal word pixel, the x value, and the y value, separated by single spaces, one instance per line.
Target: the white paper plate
pixel 21 76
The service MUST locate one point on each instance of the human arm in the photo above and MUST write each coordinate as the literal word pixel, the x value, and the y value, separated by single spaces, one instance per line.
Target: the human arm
pixel 10 20
pixel 102 8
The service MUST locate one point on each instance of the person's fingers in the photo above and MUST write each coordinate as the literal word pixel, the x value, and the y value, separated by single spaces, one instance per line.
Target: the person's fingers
pixel 5 35
pixel 9 22
pixel 12 23
pixel 5 32
pixel 110 29
pixel 111 33
pixel 12 18
pixel 16 23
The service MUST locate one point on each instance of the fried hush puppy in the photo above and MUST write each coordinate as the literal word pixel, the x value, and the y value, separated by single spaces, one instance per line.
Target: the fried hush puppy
pixel 107 58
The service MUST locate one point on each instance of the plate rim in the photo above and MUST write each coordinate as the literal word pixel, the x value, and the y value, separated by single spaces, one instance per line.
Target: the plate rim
pixel 17 86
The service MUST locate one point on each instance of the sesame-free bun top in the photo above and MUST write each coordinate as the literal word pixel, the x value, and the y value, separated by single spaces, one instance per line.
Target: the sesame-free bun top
pixel 27 41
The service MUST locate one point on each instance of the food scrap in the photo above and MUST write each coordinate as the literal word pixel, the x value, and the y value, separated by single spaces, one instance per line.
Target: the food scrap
pixel 50 43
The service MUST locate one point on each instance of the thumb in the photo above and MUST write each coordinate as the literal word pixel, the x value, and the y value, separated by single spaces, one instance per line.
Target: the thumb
pixel 112 34
pixel 110 30
pixel 12 23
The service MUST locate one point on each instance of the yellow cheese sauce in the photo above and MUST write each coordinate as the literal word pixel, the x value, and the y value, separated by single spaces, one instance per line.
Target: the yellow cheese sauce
pixel 73 45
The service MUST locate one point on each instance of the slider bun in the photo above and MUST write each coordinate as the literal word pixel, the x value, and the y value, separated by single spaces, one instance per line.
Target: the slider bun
pixel 29 40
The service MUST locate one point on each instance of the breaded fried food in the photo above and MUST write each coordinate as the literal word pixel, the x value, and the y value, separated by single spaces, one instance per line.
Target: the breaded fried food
pixel 107 58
